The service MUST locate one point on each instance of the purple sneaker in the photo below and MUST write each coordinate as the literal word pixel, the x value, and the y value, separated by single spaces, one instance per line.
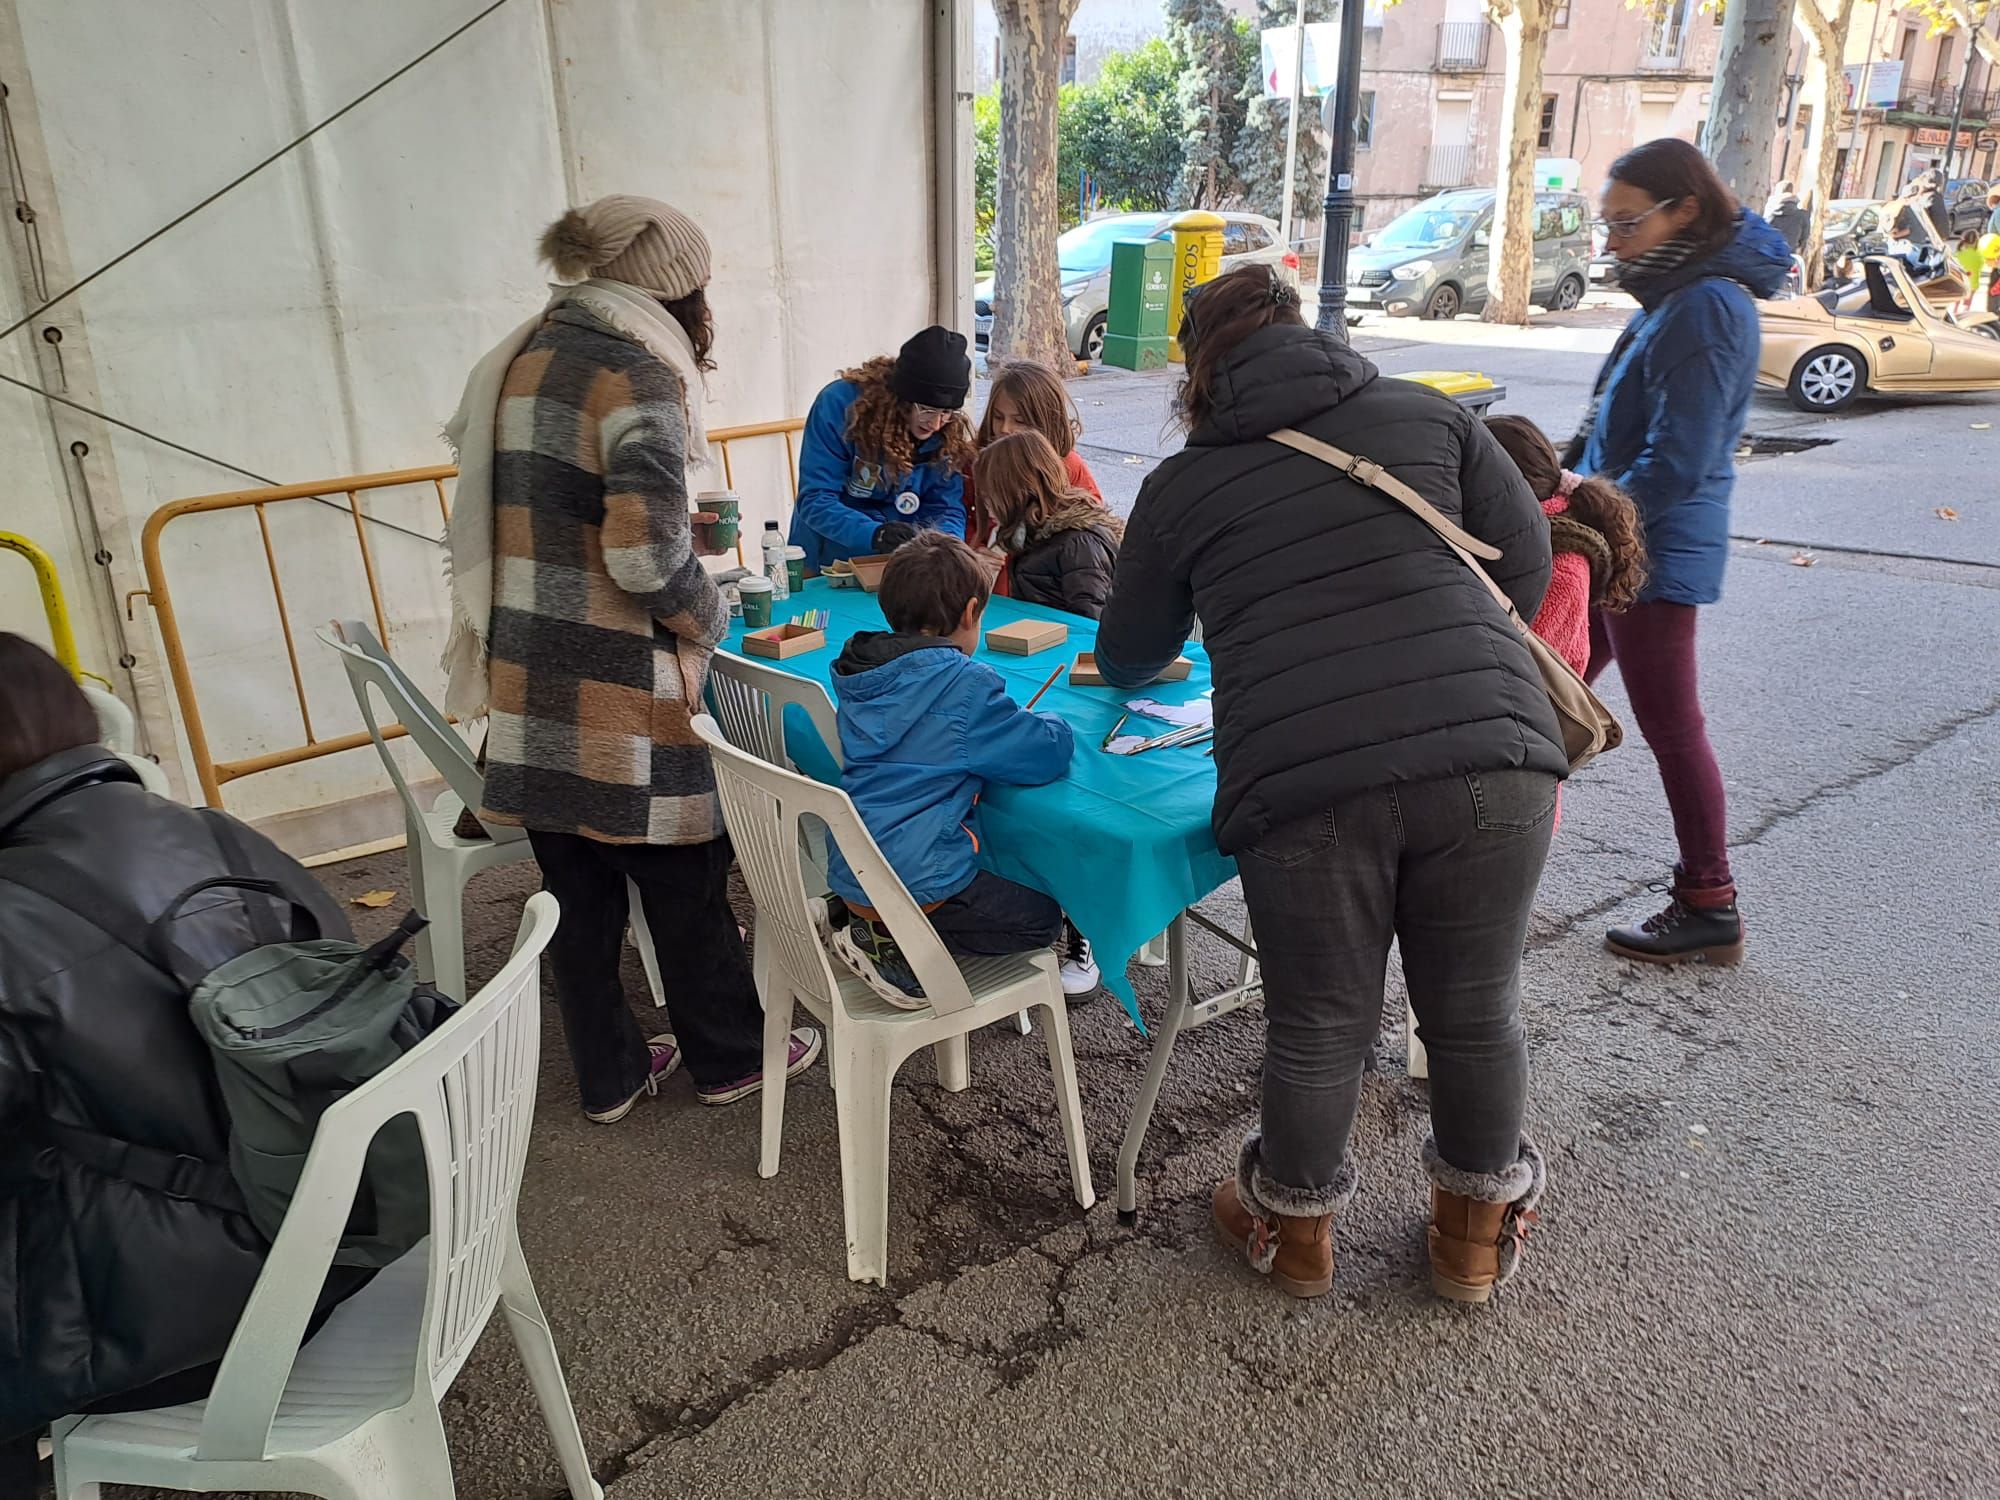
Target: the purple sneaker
pixel 805 1045
pixel 666 1056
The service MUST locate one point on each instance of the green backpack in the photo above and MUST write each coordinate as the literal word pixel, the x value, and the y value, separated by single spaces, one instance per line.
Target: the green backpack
pixel 292 1026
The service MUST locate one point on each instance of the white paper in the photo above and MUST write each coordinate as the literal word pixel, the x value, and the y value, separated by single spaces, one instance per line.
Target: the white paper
pixel 1182 715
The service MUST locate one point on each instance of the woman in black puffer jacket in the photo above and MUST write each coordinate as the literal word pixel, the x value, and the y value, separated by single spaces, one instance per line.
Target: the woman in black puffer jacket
pixel 1386 756
pixel 120 1280
pixel 1061 544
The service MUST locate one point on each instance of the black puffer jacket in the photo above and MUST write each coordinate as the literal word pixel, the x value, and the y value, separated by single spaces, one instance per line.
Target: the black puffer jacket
pixel 105 1285
pixel 1068 564
pixel 1350 647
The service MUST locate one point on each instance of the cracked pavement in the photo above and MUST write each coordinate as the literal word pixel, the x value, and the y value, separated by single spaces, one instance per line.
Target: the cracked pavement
pixel 1763 1263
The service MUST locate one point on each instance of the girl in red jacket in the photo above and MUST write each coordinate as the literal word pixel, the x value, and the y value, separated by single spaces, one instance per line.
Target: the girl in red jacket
pixel 1594 532
pixel 1600 554
pixel 1027 398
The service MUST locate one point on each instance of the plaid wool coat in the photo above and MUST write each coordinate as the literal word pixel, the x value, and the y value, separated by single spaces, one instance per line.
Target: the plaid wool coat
pixel 603 616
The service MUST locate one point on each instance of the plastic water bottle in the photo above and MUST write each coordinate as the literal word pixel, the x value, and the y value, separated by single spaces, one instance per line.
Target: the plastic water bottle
pixel 774 562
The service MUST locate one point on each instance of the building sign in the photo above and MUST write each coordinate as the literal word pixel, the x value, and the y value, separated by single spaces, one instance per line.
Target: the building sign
pixel 1925 136
pixel 1885 83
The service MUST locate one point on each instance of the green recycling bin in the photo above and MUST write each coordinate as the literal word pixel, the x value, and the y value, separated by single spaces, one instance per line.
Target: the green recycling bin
pixel 1142 281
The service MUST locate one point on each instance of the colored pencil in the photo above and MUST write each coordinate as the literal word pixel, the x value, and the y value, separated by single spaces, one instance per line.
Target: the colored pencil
pixel 1112 733
pixel 1064 667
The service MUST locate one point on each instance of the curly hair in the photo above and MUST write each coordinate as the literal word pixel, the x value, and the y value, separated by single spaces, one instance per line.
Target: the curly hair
pixel 1618 575
pixel 1020 482
pixel 878 425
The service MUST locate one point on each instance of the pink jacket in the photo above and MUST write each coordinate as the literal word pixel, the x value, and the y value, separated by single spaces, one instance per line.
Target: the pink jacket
pixel 1564 618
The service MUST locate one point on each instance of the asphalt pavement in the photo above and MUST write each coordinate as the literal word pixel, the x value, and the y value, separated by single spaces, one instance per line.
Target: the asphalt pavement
pixel 1765 1263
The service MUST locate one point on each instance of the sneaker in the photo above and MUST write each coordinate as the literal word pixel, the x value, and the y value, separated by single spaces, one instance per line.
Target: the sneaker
pixel 666 1056
pixel 868 950
pixel 1700 925
pixel 805 1047
pixel 1080 974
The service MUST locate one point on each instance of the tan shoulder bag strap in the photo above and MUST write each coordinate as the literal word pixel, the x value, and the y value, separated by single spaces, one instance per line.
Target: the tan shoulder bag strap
pixel 1367 471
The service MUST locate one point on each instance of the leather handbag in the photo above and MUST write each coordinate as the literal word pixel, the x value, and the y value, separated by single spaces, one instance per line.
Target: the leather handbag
pixel 1588 727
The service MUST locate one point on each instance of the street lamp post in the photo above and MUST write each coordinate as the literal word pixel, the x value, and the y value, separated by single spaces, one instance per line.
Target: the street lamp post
pixel 1338 217
pixel 1951 140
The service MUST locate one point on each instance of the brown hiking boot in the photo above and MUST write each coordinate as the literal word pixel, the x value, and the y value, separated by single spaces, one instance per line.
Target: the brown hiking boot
pixel 1479 1222
pixel 1284 1233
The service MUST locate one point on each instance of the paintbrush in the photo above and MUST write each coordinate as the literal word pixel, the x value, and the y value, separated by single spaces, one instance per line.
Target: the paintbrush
pixel 1060 669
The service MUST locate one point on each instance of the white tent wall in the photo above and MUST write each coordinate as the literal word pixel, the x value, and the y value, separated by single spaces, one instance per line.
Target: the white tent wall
pixel 319 320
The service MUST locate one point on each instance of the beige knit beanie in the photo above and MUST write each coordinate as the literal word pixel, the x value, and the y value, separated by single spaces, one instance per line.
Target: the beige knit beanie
pixel 640 241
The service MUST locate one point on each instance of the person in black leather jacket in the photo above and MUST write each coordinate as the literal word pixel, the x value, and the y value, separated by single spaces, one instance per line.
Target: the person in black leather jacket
pixel 114 1294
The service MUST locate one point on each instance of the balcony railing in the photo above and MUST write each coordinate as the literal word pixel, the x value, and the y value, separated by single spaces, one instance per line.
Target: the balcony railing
pixel 1448 167
pixel 1462 46
pixel 1940 101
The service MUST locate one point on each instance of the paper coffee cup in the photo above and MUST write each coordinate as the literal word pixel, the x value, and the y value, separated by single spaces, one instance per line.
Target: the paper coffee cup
pixel 727 508
pixel 756 593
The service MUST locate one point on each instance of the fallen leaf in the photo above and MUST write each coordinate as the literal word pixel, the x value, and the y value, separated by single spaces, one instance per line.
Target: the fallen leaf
pixel 1762 541
pixel 1946 513
pixel 1982 426
pixel 373 898
pixel 1803 559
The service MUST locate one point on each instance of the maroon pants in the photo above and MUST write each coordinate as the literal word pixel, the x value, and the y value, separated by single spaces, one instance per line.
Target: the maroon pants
pixel 1653 645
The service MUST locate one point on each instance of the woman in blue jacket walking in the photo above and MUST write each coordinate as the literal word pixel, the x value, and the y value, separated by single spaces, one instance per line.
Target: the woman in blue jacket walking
pixel 886 450
pixel 1663 426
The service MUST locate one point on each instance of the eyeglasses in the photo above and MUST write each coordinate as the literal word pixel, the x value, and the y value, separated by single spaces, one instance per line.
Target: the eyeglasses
pixel 928 413
pixel 1624 229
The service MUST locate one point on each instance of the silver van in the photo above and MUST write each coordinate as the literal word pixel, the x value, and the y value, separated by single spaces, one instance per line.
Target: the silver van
pixel 1430 261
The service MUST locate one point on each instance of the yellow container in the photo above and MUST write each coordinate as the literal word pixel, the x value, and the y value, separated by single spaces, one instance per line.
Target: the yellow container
pixel 1468 388
pixel 1197 259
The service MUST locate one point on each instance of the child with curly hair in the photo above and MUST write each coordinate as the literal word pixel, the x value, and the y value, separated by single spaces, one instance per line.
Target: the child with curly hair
pixel 1027 397
pixel 885 452
pixel 1600 560
pixel 1061 546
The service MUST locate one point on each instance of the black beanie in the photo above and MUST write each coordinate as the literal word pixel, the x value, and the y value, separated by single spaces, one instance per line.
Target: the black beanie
pixel 932 370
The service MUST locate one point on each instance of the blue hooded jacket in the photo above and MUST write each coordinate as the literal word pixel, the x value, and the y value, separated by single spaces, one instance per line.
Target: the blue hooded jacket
pixel 923 728
pixel 842 498
pixel 1675 392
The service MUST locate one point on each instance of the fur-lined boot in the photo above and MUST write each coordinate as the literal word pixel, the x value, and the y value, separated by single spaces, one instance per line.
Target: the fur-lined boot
pixel 1479 1221
pixel 1286 1233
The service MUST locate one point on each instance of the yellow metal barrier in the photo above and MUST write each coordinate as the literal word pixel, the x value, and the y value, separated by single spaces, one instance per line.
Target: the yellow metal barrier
pixel 61 637
pixel 211 773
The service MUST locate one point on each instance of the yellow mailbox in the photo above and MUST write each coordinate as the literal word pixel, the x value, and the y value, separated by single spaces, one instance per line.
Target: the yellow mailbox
pixel 1197 258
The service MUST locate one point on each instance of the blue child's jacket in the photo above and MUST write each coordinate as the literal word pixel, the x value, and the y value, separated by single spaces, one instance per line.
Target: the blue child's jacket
pixel 843 498
pixel 923 727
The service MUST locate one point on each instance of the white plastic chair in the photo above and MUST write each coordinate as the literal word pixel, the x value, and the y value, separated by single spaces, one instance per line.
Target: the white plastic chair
pixel 353 1415
pixel 441 863
pixel 868 1039
pixel 749 700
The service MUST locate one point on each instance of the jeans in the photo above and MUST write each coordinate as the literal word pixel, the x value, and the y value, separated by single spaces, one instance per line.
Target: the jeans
pixel 1447 867
pixel 993 917
pixel 711 998
pixel 1653 645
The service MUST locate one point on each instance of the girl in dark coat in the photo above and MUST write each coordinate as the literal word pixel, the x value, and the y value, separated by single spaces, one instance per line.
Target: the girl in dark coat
pixel 1061 545
pixel 115 1295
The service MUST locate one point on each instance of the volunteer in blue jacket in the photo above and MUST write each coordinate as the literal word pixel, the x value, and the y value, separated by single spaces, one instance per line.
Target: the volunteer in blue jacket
pixel 886 450
pixel 1663 426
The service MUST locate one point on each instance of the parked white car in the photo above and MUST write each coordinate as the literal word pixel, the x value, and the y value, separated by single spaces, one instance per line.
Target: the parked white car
pixel 1084 255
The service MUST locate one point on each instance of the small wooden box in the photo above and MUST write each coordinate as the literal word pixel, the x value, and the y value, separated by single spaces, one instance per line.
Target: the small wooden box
pixel 1026 637
pixel 868 570
pixel 1085 674
pixel 781 641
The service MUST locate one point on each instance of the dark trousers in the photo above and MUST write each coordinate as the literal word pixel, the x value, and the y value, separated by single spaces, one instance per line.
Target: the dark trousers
pixel 711 999
pixel 1653 645
pixel 993 917
pixel 1447 867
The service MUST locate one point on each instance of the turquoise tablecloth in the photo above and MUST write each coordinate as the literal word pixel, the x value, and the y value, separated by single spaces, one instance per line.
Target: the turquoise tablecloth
pixel 1123 842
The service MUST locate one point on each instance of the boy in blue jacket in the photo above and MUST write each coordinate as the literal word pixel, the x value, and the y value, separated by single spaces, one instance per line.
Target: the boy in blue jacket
pixel 923 728
pixel 885 453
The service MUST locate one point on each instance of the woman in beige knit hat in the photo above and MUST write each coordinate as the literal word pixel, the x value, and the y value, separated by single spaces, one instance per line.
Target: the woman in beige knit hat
pixel 583 623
